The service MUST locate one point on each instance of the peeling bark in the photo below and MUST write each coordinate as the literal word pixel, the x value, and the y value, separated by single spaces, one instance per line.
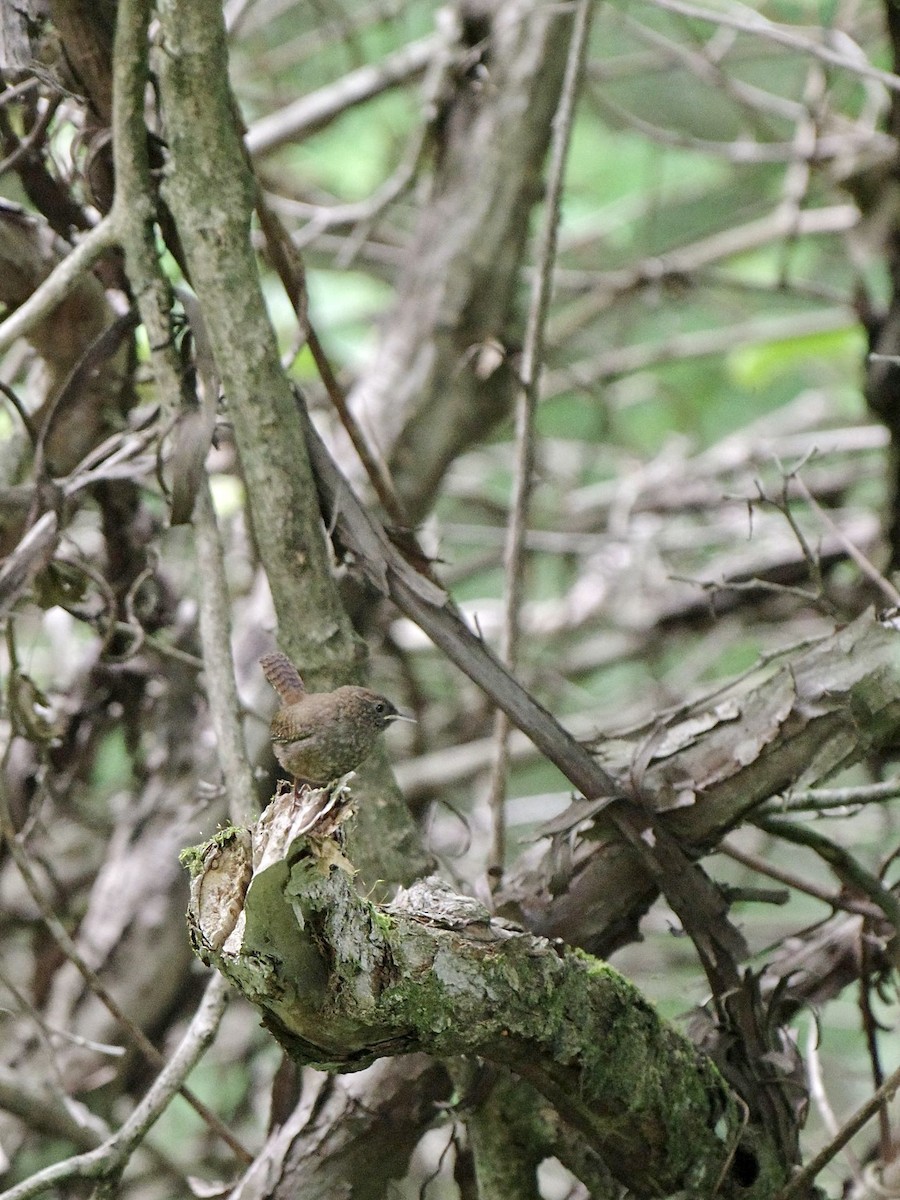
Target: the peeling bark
pixel 791 724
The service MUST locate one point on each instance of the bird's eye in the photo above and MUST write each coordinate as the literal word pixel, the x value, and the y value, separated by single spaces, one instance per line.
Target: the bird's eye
pixel 380 707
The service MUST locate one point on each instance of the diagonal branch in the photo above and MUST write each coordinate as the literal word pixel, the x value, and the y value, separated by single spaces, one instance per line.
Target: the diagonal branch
pixel 698 903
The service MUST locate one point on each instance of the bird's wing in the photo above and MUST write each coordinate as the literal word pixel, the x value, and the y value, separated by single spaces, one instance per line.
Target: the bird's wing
pixel 290 729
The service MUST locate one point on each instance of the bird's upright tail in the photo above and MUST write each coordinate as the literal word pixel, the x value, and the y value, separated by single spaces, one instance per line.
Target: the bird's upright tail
pixel 283 676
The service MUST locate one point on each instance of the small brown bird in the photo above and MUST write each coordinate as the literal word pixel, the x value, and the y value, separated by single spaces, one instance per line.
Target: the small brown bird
pixel 320 736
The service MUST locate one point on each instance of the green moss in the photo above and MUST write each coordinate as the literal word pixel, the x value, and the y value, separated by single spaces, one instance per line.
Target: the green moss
pixel 194 858
pixel 595 966
pixel 381 920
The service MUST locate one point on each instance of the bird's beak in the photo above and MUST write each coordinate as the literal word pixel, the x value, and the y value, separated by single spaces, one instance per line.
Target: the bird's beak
pixel 403 717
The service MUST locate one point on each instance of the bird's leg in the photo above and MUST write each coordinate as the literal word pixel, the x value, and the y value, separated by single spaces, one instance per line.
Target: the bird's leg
pixel 299 783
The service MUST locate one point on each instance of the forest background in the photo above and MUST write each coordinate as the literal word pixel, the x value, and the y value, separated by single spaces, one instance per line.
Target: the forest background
pixel 594 307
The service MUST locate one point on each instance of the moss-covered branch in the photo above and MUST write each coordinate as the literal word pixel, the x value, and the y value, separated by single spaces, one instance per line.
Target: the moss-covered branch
pixel 342 982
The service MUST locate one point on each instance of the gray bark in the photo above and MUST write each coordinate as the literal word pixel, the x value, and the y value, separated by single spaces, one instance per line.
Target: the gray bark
pixel 444 370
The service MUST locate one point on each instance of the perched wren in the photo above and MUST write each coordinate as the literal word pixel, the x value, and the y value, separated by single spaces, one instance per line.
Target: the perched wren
pixel 320 736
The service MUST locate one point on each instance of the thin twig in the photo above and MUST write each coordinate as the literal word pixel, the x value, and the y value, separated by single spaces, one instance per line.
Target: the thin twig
pixel 34 551
pixel 38 1104
pixel 755 101
pixel 601 289
pixel 318 109
pixel 215 637
pixel 51 1113
pixel 755 863
pixel 102 348
pixel 23 415
pixel 812 560
pixel 744 151
pixel 868 569
pixel 870 1028
pixel 109 1160
pixel 701 343
pixel 133 204
pixel 361 213
pixel 28 143
pixel 798 174
pixel 9 94
pixel 375 466
pixel 851 873
pixel 819 1095
pixel 824 799
pixel 120 456
pixel 288 265
pixel 755 584
pixel 760 26
pixel 861 1117
pixel 526 403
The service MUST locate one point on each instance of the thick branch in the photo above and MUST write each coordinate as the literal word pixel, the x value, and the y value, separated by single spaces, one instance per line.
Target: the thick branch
pixel 211 194
pixel 437 382
pixel 342 982
pixel 352 1134
pixel 793 724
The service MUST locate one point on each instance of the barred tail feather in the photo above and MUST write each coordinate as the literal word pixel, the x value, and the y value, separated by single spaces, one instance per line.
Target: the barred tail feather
pixel 283 676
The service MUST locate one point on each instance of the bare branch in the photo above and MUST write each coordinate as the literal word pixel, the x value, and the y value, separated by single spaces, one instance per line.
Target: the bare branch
pixel 60 282
pixel 313 111
pixel 110 1159
pixel 215 633
pixel 747 21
